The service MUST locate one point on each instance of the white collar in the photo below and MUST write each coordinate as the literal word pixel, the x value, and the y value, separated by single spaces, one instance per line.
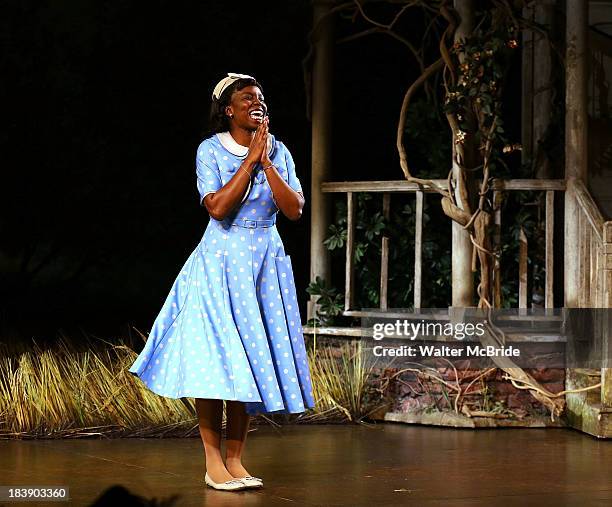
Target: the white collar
pixel 230 144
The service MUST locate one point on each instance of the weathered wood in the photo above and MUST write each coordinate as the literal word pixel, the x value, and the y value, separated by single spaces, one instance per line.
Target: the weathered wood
pixel 497 285
pixel 599 299
pixel 443 315
pixel 586 265
pixel 571 283
pixel 384 272
pixel 522 184
pixel 396 315
pixel 522 269
pixel 593 273
pixel 462 154
pixel 384 257
pixel 542 85
pixel 589 208
pixel 608 285
pixel 321 123
pixel 386 205
pixel 418 250
pixel 606 278
pixel 401 186
pixel 591 418
pixel 576 146
pixel 606 388
pixel 397 186
pixel 350 252
pixel 462 277
pixel 388 187
pixel 351 332
pixel 607 293
pixel 580 261
pixel 527 88
pixel 606 264
pixel 578 204
pixel 549 263
pixel 576 78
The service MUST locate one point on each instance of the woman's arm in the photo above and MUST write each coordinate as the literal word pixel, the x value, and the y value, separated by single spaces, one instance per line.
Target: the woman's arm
pixel 288 200
pixel 220 203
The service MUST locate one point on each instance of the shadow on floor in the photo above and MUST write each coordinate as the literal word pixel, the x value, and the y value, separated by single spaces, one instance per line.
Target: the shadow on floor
pixel 120 496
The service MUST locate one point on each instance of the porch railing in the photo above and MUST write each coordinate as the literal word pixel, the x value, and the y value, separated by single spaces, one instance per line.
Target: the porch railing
pixel 388 188
pixel 595 287
pixel 595 252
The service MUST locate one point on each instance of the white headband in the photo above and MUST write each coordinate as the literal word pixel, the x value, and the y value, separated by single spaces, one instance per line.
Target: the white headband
pixel 226 81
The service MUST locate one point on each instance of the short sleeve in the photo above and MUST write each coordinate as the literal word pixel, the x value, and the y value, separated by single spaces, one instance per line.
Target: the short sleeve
pixel 292 179
pixel 207 171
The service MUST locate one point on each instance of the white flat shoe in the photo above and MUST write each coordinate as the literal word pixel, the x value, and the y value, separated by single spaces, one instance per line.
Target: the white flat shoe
pixel 252 482
pixel 231 485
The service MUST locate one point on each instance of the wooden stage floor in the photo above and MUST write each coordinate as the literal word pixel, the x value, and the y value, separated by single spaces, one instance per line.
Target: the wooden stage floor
pixel 383 465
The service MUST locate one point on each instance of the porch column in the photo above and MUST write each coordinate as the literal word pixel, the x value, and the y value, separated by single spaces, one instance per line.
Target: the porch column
pixel 321 115
pixel 575 139
pixel 462 278
pixel 536 87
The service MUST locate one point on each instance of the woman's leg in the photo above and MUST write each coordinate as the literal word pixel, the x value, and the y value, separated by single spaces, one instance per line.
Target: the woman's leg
pixel 237 426
pixel 210 417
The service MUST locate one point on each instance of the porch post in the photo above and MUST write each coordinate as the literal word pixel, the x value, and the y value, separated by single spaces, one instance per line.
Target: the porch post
pixel 583 412
pixel 462 278
pixel 575 140
pixel 321 114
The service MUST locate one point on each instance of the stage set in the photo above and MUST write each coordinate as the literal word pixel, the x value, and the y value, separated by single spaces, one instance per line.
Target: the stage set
pixel 394 264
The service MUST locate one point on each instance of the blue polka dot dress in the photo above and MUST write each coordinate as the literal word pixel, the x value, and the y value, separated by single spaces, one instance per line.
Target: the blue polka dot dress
pixel 230 328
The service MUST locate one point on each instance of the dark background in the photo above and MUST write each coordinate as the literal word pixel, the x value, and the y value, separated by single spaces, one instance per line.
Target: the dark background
pixel 104 105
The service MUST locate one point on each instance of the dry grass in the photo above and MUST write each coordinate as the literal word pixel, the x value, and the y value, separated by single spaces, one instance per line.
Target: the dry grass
pixel 339 378
pixel 62 392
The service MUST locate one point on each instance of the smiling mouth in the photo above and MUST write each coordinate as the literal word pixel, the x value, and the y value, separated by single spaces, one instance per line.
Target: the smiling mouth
pixel 257 115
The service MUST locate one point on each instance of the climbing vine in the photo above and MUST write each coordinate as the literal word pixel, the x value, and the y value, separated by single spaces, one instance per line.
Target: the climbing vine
pixel 473 69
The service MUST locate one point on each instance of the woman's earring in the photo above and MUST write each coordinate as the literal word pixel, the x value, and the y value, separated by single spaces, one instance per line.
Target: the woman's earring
pixel 231 116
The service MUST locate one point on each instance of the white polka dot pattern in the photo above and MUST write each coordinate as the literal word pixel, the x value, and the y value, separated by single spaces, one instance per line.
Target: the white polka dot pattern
pixel 230 328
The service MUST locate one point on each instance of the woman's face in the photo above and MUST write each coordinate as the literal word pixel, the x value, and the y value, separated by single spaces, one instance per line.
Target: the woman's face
pixel 247 107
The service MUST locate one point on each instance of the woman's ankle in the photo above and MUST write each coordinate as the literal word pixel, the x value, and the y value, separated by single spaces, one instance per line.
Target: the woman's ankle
pixel 235 467
pixel 218 472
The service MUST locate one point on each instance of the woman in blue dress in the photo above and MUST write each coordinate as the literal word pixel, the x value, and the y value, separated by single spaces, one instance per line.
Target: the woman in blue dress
pixel 230 328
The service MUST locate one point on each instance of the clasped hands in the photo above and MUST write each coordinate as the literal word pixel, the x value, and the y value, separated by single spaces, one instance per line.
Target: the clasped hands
pixel 259 147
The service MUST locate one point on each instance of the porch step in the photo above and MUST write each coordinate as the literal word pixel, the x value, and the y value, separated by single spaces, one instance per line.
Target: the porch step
pixel 584 409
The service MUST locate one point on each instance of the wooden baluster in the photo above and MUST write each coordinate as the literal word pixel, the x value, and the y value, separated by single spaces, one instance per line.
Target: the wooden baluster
pixel 522 272
pixel 349 287
pixel 418 250
pixel 497 292
pixel 599 278
pixel 606 271
pixel 384 258
pixel 527 91
pixel 606 280
pixel 582 223
pixel 579 263
pixel 593 271
pixel 586 268
pixel 549 263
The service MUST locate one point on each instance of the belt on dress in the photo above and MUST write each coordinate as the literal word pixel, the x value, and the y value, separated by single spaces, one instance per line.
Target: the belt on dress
pixel 250 224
